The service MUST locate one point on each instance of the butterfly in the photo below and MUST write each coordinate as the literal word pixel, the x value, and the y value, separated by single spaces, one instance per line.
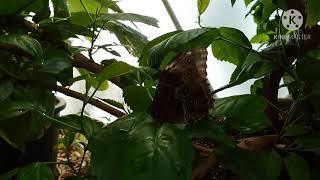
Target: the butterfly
pixel 183 93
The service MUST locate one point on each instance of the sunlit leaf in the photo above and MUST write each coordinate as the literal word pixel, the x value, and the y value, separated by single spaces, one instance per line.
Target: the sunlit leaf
pixel 203 5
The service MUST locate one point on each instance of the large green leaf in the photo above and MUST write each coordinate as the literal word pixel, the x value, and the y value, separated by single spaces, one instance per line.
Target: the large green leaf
pixel 203 5
pixel 137 97
pixel 81 18
pixel 115 69
pixel 64 29
pixel 11 7
pixel 42 12
pixel 9 175
pixel 263 9
pixel 309 142
pixel 87 126
pixel 179 42
pixel 35 171
pixel 308 66
pixel 297 167
pixel 61 9
pixel 143 60
pixel 260 38
pixel 129 17
pixel 56 60
pixel 134 147
pixel 90 5
pixel 254 66
pixel 264 165
pixel 6 88
pixel 26 43
pixel 313 13
pixel 232 46
pixel 209 129
pixel 245 112
pixel 133 40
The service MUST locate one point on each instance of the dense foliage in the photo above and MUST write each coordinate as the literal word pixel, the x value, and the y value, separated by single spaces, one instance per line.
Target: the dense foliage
pixel 255 136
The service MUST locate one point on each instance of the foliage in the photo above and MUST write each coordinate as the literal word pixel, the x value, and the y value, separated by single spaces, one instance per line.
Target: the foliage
pixel 37 54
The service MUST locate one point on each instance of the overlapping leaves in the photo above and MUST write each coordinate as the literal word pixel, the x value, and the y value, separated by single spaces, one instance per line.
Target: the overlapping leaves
pixel 134 147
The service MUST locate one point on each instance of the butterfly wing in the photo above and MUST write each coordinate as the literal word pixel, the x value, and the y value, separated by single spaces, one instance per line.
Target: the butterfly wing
pixel 183 92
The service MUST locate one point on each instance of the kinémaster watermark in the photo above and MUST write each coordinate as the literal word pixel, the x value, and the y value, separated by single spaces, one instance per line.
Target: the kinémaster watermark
pixel 292 20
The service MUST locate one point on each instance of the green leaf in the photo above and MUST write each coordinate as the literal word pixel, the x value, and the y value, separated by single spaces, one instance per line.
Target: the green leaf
pixel 263 10
pixel 134 147
pixel 137 97
pixel 256 87
pixel 35 171
pixel 309 142
pixel 26 43
pixel 61 9
pixel 264 165
pixel 90 5
pixel 143 60
pixel 12 7
pixel 15 108
pixel 297 167
pixel 245 112
pixel 90 127
pixel 129 17
pixel 115 69
pixel 56 60
pixel 247 2
pixel 202 5
pixel 43 13
pixel 87 126
pixel 209 129
pixel 64 29
pixel 133 40
pixel 91 80
pixel 308 69
pixel 296 129
pixel 232 46
pixel 232 2
pixel 179 42
pixel 114 103
pixel 9 175
pixel 313 13
pixel 260 38
pixel 80 18
pixel 316 88
pixel 254 66
pixel 6 89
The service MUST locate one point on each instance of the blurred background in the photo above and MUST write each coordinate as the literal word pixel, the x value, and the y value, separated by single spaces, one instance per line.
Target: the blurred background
pixel 219 14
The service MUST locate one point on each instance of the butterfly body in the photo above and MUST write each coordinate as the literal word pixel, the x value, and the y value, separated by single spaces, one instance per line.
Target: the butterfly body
pixel 183 92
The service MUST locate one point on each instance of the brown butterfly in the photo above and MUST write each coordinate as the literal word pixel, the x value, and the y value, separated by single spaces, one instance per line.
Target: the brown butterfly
pixel 183 93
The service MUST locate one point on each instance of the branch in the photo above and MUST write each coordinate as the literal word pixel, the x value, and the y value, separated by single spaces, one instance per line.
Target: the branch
pixel 79 60
pixel 92 101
